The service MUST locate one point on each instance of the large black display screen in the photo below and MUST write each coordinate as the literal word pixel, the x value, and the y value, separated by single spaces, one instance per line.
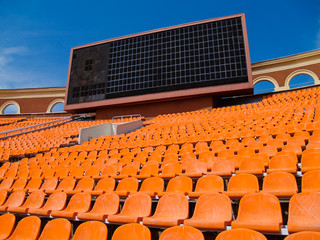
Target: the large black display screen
pixel 201 55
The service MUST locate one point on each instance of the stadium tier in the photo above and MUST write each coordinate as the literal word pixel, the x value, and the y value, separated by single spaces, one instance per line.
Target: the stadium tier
pixel 248 171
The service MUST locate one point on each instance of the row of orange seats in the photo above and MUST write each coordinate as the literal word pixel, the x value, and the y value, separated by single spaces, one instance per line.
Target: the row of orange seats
pixel 280 184
pixel 213 211
pixel 171 166
pixel 60 228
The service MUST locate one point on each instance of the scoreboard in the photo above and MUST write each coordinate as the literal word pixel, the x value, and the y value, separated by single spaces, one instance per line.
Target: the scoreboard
pixel 199 55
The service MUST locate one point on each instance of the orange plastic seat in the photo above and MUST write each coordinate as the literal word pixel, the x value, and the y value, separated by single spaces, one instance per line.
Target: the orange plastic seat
pixel 18 184
pixel 280 184
pixel 253 165
pixel 259 211
pixel 282 163
pixel 171 170
pixel 240 234
pixel 310 161
pixel 66 184
pixel 62 172
pixel 103 186
pixel 136 207
pixel 304 212
pixel 34 200
pixel 27 228
pixel 106 204
pixel 126 186
pixel 6 183
pixel 311 181
pixel 152 186
pixel 171 210
pixel 79 202
pixel 56 201
pixel 196 169
pixel 3 196
pixel 133 231
pixel 48 185
pixel 92 171
pixel 84 185
pixel 59 228
pixel 212 211
pixel 223 167
pixel 148 170
pixel 181 233
pixel 91 230
pixel 33 184
pixel 207 184
pixel 304 235
pixel 108 171
pixel 14 200
pixel 242 184
pixel 7 223
pixel 180 184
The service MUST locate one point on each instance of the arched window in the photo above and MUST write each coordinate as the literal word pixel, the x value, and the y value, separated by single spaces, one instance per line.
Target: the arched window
pixel 58 107
pixel 301 80
pixel 263 87
pixel 11 109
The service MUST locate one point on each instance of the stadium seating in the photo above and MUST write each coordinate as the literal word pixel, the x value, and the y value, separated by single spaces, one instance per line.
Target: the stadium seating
pixel 231 167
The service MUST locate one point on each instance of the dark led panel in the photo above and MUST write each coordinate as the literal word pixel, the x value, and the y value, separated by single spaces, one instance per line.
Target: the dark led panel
pixel 209 53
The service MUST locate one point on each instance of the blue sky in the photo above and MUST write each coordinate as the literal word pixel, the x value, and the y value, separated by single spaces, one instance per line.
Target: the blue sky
pixel 36 36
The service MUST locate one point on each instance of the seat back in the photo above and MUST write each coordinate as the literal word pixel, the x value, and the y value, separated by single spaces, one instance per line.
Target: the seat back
pixel 128 184
pixel 310 161
pixel 172 168
pixel 311 181
pixel 59 228
pixel 137 205
pixel 27 228
pixel 306 235
pixel 278 182
pixel 282 163
pixel 62 172
pixel 34 200
pixel 196 167
pixel 33 184
pixel 180 184
pixel 56 201
pixel 19 184
pixel 107 203
pixel 243 182
pixel 3 196
pixel 79 202
pixel 173 204
pixel 85 184
pixel 109 171
pixel 91 230
pixel 303 207
pixel 66 184
pixel 152 184
pixel 240 234
pixel 134 230
pixel 150 169
pixel 49 184
pixel 214 207
pixel 223 167
pixel 209 183
pixel 6 183
pixel 15 199
pixel 7 225
pixel 93 171
pixel 105 184
pixel 260 206
pixel 181 232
